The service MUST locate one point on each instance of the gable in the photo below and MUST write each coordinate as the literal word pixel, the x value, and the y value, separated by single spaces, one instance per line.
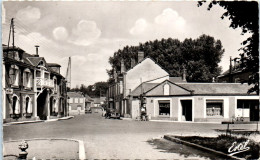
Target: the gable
pixel 167 88
pixel 147 70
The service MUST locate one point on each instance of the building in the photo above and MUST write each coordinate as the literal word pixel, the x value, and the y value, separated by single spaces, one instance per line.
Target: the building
pixel 77 103
pixel 146 70
pixel 32 88
pixel 197 102
pixel 235 74
pixel 99 101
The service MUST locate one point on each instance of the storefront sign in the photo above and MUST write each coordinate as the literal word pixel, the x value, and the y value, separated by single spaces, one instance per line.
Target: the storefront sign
pixel 9 91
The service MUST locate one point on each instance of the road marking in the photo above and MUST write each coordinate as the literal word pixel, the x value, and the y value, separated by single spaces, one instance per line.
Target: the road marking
pixel 82 154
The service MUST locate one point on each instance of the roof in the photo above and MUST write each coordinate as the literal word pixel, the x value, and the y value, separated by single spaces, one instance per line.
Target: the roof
pixel 144 86
pixel 216 88
pixel 199 88
pixel 176 80
pixel 99 99
pixel 88 99
pixel 35 60
pixel 75 94
pixel 53 65
pixel 148 57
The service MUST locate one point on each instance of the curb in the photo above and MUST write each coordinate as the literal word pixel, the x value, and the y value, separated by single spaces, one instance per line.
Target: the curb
pixel 37 121
pixel 176 140
pixel 185 122
pixel 82 152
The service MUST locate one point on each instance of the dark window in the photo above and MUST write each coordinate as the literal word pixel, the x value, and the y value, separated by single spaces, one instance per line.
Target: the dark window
pixel 164 108
pixel 246 104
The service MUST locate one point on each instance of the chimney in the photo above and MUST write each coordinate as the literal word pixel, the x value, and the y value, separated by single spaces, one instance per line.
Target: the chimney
pixel 140 56
pixel 132 62
pixel 122 66
pixel 184 75
pixel 37 55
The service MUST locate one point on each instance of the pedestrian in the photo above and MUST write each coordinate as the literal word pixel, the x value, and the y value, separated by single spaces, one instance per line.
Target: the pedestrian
pixel 143 114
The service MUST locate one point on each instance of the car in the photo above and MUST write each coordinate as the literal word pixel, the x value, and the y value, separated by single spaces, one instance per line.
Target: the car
pixel 112 113
pixel 88 111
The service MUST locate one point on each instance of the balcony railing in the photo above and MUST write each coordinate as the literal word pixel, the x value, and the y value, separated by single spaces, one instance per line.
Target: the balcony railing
pixel 44 82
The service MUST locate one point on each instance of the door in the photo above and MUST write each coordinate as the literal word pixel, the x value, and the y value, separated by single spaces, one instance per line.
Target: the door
pixel 187 109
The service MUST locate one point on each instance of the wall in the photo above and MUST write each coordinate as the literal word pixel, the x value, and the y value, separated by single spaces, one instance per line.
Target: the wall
pixel 147 70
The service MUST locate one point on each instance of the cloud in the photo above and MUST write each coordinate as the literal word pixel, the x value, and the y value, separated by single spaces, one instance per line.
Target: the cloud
pixel 168 23
pixel 170 17
pixel 60 33
pixel 28 14
pixel 85 33
pixel 139 27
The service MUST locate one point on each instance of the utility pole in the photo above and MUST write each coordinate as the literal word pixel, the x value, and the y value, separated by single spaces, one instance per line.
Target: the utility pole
pixel 11 32
pixel 68 73
pixel 230 70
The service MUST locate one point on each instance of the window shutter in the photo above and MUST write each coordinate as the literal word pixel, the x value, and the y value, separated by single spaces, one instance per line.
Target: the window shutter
pixel 24 104
pixel 29 110
pixel 17 107
pixel 10 105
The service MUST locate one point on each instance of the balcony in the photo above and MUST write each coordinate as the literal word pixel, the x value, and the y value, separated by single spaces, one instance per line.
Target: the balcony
pixel 44 82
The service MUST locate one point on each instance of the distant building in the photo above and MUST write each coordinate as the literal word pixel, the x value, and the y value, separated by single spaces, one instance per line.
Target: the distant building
pixel 77 103
pixel 234 74
pixel 99 101
pixel 32 88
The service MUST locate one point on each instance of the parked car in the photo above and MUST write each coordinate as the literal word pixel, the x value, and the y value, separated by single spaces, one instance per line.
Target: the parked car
pixel 88 111
pixel 112 113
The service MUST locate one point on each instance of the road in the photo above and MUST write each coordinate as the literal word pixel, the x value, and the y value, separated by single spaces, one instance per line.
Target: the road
pixel 111 138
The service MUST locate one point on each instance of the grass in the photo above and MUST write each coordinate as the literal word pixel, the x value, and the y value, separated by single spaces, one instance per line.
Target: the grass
pixel 223 143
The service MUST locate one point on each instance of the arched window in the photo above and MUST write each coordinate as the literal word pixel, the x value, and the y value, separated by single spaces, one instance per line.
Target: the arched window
pixel 15 105
pixel 166 89
pixel 27 103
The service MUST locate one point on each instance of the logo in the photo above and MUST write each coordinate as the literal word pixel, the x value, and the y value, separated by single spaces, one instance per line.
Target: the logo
pixel 238 147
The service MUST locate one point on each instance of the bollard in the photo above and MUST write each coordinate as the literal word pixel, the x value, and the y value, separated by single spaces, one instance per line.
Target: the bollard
pixel 23 146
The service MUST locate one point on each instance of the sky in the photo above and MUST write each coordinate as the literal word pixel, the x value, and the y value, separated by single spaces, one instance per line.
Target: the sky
pixel 90 32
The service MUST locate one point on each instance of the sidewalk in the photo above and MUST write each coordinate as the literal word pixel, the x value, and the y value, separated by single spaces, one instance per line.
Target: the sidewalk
pixel 46 149
pixel 37 121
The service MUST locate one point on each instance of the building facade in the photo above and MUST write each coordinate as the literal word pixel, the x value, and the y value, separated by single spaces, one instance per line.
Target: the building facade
pixel 77 103
pixel 197 102
pixel 146 70
pixel 32 89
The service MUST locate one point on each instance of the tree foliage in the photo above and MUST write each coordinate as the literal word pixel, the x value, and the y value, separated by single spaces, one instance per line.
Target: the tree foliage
pixel 97 90
pixel 244 15
pixel 200 57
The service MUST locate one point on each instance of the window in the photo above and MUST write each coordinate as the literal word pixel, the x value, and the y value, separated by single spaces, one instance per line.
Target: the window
pixel 76 100
pixel 166 89
pixel 214 107
pixel 38 73
pixel 46 75
pixel 164 107
pixel 80 100
pixel 27 78
pixel 244 107
pixel 71 100
pixel 14 75
pixel 55 83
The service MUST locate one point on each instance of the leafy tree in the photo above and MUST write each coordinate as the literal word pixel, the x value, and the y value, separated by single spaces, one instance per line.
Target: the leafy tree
pixel 196 56
pixel 244 15
pixel 96 90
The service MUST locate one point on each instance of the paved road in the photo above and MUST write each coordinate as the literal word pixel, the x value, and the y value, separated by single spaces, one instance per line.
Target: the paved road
pixel 109 138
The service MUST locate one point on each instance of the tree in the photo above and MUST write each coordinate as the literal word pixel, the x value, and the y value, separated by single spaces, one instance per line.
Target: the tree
pixel 96 90
pixel 244 15
pixel 199 55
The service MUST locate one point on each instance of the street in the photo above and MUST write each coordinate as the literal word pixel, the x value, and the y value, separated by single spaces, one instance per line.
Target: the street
pixel 111 138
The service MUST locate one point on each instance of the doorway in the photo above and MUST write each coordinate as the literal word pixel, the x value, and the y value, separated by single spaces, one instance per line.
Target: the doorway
pixel 186 110
pixel 42 105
